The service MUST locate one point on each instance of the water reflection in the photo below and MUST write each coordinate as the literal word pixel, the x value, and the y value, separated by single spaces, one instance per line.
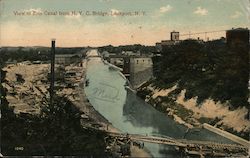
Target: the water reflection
pixel 131 114
pixel 141 114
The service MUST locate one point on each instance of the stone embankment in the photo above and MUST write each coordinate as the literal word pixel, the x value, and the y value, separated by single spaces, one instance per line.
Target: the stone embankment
pixel 188 113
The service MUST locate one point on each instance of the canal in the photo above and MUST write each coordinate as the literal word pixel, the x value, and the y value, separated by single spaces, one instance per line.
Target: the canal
pixel 130 114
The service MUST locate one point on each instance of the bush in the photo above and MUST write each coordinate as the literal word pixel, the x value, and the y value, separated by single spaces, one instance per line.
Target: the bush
pixel 206 70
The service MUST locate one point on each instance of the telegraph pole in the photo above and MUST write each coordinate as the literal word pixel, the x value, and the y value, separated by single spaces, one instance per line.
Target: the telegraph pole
pixel 52 73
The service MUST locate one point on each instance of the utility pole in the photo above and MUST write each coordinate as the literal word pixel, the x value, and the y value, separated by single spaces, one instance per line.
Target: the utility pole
pixel 52 71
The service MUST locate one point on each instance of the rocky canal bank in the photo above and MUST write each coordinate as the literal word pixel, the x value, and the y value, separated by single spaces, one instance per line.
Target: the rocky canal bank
pixel 188 113
pixel 27 87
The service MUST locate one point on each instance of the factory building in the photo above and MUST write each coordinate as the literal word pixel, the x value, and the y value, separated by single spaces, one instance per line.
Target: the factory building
pixel 236 37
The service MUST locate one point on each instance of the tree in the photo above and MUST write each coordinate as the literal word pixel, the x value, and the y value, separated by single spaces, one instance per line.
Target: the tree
pixel 206 70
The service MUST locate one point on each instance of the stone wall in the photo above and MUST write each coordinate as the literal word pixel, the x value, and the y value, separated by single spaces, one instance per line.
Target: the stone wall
pixel 227 135
pixel 141 70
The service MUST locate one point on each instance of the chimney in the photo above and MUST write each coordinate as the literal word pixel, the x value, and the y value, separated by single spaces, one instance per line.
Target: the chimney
pixel 52 73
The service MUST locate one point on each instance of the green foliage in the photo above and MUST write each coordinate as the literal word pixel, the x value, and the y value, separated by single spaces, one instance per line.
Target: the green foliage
pixel 32 53
pixel 21 54
pixel 136 47
pixel 209 120
pixel 143 93
pixel 206 70
pixel 244 135
pixel 205 120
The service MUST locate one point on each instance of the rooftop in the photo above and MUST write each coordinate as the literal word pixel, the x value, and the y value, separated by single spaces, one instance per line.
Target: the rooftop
pixel 239 29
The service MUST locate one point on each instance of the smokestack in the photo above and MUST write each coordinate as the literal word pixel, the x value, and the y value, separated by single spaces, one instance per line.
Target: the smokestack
pixel 52 73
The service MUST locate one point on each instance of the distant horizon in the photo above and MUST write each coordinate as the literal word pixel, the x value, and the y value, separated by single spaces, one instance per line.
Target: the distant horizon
pixel 107 44
pixel 116 22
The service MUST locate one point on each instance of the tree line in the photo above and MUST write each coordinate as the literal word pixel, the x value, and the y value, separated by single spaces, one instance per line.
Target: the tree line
pixel 210 70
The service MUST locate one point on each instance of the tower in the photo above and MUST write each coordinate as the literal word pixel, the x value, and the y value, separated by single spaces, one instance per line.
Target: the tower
pixel 174 36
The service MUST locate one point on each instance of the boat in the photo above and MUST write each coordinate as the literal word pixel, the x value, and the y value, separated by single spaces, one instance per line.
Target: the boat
pixel 87 82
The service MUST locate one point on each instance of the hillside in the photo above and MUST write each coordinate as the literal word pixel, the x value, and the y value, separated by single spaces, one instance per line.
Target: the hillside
pixel 199 83
pixel 205 71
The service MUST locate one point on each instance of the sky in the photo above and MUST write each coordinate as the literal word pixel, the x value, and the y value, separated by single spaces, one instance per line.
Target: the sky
pixel 116 22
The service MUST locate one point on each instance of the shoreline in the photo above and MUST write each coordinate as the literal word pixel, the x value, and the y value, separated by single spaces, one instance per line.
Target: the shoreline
pixel 100 119
pixel 86 105
pixel 181 113
pixel 93 113
pixel 21 95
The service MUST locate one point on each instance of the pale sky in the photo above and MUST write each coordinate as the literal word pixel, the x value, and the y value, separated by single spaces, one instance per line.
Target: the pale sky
pixel 153 22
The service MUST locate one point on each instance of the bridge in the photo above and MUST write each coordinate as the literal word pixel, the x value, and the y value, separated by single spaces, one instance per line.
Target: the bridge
pixel 193 147
pixel 185 146
pixel 177 142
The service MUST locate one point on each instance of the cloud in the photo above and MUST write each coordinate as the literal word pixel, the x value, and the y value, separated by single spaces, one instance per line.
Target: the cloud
pixel 201 11
pixel 166 8
pixel 160 12
pixel 114 12
pixel 245 8
pixel 236 15
pixel 37 10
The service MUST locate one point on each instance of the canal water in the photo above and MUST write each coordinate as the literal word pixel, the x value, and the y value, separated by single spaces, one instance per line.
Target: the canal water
pixel 130 114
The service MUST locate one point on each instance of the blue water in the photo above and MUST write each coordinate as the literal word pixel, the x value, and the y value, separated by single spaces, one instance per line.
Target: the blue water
pixel 131 114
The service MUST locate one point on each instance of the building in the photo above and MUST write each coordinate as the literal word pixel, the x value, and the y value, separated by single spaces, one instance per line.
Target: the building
pixel 239 36
pixel 131 53
pixel 174 39
pixel 158 46
pixel 105 55
pixel 137 69
pixel 174 36
pixel 116 60
pixel 67 59
pixel 119 59
pixel 126 67
pixel 141 70
pixel 167 43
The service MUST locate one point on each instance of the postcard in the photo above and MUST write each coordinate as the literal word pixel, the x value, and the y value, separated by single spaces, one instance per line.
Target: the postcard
pixel 116 78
